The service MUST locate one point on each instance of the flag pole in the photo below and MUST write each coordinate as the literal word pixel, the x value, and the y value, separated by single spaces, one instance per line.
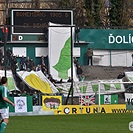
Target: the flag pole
pixel 71 66
pixel 71 87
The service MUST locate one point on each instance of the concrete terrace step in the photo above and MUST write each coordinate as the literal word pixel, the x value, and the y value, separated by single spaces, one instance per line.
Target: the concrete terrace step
pixel 103 72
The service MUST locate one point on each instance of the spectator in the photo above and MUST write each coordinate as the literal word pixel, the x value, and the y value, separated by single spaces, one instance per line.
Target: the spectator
pixel 42 60
pixel 14 64
pixel 69 79
pixel 35 98
pixel 22 62
pixel 44 70
pixel 24 67
pixel 9 56
pixel 79 72
pixel 76 61
pixel 27 62
pixel 90 55
pixel 38 68
pixel 1 56
pixel 121 75
pixel 32 64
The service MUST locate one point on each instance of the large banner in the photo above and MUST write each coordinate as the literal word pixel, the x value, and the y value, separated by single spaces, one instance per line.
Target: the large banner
pixel 91 87
pixel 93 109
pixel 60 52
pixel 38 81
pixel 107 38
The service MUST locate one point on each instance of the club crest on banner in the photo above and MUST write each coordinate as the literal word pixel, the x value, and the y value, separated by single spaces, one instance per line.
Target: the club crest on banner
pixel 21 104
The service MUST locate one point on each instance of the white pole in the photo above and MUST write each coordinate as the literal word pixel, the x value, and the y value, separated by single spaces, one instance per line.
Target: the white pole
pixel 99 99
pixel 81 96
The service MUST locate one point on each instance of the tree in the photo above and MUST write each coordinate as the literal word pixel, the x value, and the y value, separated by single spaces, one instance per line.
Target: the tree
pixel 100 13
pixel 94 12
pixel 64 4
pixel 78 10
pixel 120 13
pixel 97 13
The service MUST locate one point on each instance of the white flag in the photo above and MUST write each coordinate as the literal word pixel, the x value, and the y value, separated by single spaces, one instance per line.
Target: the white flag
pixel 60 52
pixel 20 104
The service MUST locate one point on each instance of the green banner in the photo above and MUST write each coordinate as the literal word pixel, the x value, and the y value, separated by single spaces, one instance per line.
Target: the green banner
pixel 11 86
pixel 26 37
pixel 107 38
pixel 29 104
pixel 107 99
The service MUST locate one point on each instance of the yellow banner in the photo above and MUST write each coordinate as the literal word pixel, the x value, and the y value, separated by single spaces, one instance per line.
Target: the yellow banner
pixel 78 109
pixel 51 102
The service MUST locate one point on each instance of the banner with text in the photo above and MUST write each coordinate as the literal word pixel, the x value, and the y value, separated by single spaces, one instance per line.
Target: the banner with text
pixel 129 101
pixel 93 109
pixel 107 38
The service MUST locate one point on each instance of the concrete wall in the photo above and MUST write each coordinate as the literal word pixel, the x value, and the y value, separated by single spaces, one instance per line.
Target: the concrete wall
pixel 112 58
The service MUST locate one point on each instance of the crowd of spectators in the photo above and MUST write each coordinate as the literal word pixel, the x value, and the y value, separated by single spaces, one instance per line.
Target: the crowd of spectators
pixel 28 64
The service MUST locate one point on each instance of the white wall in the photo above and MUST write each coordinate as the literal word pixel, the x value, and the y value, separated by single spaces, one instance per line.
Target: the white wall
pixel 113 58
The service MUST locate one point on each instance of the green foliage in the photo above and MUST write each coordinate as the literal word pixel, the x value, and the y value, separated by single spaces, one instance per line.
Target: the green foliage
pixel 64 62
pixel 97 15
pixel 88 4
pixel 94 13
pixel 91 123
pixel 64 4
pixel 119 13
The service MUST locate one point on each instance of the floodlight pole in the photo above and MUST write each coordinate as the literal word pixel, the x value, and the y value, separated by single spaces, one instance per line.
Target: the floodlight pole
pixel 71 66
pixel 5 38
pixel 5 32
pixel 71 88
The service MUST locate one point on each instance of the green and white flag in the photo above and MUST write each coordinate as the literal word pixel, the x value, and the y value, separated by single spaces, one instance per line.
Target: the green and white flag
pixel 60 52
pixel 107 99
pixel 11 83
pixel 22 104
